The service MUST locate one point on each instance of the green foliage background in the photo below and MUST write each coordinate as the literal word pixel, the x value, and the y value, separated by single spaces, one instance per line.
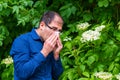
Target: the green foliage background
pixel 80 60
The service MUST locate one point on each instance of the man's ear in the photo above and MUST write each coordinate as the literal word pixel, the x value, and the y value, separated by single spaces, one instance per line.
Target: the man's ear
pixel 42 25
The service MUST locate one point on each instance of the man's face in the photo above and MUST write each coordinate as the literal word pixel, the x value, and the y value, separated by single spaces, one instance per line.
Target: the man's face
pixel 54 26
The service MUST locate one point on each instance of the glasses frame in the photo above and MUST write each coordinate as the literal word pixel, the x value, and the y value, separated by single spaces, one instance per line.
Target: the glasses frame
pixel 53 28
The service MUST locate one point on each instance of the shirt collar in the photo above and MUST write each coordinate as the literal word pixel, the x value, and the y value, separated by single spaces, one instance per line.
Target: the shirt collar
pixel 35 36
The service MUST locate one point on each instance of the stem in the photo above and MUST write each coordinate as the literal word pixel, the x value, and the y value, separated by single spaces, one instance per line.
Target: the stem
pixel 117 14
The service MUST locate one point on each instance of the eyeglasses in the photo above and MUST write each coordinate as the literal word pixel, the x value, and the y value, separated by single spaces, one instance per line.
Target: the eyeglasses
pixel 53 28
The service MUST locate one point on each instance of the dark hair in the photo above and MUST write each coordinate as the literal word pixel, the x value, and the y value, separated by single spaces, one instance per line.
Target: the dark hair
pixel 48 16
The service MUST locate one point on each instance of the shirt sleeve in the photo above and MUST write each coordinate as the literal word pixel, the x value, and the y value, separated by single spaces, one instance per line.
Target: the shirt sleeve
pixel 57 68
pixel 24 64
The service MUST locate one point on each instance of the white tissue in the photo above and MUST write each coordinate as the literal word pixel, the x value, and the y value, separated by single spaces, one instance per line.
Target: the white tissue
pixel 57 33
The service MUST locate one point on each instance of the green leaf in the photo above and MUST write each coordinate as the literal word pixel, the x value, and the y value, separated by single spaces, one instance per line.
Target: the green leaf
pixel 82 68
pixel 87 17
pixel 30 3
pixel 117 65
pixel 117 34
pixel 35 22
pixel 6 12
pixel 5 5
pixel 37 3
pixel 65 6
pixel 1 43
pixel 21 8
pixel 68 45
pixel 73 9
pixel 84 79
pixel 1 37
pixel 21 21
pixel 104 3
pixel 70 75
pixel 66 53
pixel 67 10
pixel 111 66
pixel 100 67
pixel 117 59
pixel 100 3
pixel 86 74
pixel 3 32
pixel 82 59
pixel 90 60
pixel 1 7
pixel 16 9
pixel 116 70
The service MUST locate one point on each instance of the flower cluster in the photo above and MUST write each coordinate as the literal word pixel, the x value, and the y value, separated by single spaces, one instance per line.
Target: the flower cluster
pixel 92 35
pixel 83 26
pixel 104 75
pixel 7 61
pixel 118 76
pixel 100 28
pixel 67 39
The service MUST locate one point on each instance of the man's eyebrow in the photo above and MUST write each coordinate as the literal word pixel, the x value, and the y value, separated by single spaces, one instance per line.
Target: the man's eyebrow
pixel 53 27
pixel 56 28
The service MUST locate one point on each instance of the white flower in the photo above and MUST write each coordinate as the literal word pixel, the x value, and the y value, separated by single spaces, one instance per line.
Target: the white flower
pixel 83 26
pixel 100 28
pixel 118 76
pixel 104 75
pixel 7 60
pixel 90 35
pixel 67 39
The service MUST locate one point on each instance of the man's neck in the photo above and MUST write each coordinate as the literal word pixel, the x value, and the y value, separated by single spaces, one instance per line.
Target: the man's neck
pixel 39 34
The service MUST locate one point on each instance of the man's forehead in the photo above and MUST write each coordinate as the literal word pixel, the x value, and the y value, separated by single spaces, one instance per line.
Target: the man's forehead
pixel 58 19
pixel 58 22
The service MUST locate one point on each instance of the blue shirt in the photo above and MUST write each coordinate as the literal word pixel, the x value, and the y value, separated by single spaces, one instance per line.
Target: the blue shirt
pixel 29 62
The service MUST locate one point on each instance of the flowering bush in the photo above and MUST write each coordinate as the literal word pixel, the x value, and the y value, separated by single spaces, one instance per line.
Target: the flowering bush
pixel 7 60
pixel 83 26
pixel 103 75
pixel 91 50
pixel 7 63
pixel 91 35
pixel 117 76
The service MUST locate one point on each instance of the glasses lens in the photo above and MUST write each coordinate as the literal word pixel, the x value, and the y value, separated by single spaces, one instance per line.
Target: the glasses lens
pixel 53 28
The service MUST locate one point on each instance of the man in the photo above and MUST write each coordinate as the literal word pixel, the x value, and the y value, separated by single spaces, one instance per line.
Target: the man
pixel 36 54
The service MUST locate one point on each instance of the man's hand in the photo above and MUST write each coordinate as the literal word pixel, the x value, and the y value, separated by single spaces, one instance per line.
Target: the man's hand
pixel 57 49
pixel 49 44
